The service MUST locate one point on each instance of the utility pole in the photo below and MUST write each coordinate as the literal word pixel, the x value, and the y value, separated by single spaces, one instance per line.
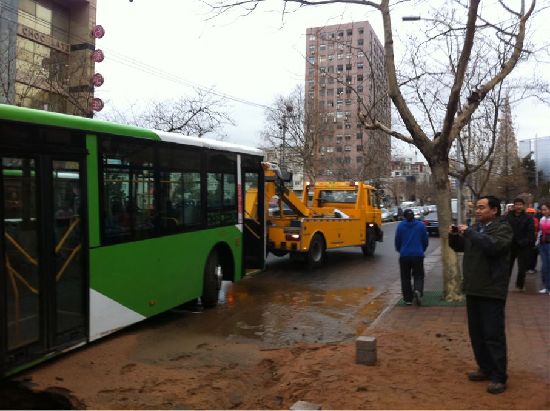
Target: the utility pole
pixel 283 127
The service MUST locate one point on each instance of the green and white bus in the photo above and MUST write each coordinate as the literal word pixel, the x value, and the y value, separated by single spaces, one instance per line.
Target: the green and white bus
pixel 103 225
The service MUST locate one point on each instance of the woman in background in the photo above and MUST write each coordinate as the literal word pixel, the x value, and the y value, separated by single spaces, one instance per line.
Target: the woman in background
pixel 543 241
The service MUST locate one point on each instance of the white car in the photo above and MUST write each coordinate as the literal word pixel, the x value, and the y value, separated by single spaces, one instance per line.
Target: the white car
pixel 418 212
pixel 386 215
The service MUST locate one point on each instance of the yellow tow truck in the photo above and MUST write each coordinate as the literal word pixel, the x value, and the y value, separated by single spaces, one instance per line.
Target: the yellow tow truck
pixel 338 214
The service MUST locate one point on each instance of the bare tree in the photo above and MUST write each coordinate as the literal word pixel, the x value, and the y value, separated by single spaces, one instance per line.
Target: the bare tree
pixel 296 130
pixel 450 107
pixel 198 115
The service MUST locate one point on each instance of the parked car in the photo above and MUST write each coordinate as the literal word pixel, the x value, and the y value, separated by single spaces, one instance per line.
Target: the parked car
pixel 386 215
pixel 397 213
pixel 431 222
pixel 418 212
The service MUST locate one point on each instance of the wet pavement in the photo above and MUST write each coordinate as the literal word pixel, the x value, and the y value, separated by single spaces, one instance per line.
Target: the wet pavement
pixel 287 304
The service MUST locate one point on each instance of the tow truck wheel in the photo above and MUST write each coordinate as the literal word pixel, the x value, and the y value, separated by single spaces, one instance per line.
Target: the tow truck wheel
pixel 370 245
pixel 279 253
pixel 317 252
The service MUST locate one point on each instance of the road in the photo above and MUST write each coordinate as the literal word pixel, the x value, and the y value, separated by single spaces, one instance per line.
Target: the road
pixel 287 304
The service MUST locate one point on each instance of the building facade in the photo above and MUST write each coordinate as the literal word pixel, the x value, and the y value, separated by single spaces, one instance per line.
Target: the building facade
pixel 540 147
pixel 346 82
pixel 407 167
pixel 46 49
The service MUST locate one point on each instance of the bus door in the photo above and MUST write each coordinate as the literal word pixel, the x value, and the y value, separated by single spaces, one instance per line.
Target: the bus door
pixel 42 259
pixel 254 219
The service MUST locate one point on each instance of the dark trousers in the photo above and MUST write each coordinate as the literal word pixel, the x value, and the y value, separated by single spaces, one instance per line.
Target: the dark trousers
pixel 524 257
pixel 487 335
pixel 533 257
pixel 411 266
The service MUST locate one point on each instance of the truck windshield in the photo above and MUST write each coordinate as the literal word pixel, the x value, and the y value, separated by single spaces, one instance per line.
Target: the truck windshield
pixel 337 196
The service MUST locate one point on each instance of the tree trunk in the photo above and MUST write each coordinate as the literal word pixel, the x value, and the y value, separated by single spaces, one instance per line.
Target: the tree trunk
pixel 452 277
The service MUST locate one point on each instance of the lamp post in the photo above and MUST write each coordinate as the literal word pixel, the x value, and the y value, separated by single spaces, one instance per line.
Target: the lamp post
pixel 283 127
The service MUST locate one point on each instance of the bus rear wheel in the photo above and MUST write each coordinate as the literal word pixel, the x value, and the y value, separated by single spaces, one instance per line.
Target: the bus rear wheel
pixel 212 281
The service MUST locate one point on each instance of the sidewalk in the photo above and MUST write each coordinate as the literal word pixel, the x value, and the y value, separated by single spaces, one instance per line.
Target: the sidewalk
pixel 527 330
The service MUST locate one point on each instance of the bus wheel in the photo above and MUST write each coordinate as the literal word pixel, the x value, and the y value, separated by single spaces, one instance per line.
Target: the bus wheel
pixel 317 252
pixel 370 245
pixel 212 281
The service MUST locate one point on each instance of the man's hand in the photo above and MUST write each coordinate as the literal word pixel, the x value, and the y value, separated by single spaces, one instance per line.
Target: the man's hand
pixel 457 229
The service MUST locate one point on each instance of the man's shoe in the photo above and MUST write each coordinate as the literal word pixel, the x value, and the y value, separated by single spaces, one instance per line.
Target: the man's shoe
pixel 408 303
pixel 496 387
pixel 478 376
pixel 417 298
pixel 544 291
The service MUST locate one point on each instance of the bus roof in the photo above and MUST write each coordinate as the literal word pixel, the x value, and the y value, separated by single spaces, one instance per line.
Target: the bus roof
pixel 47 118
pixel 207 143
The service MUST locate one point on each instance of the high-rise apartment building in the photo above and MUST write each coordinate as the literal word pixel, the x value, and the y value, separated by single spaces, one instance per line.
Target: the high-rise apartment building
pixel 46 49
pixel 345 83
pixel 540 149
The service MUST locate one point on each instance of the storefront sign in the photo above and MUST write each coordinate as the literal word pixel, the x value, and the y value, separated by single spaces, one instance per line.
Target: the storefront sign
pixel 42 38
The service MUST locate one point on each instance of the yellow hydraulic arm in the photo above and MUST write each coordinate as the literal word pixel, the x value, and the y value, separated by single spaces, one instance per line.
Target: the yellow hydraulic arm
pixel 274 185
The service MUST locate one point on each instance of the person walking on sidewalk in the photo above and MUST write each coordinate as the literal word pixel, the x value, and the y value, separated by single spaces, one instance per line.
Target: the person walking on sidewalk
pixel 534 253
pixel 411 240
pixel 524 239
pixel 543 240
pixel 486 250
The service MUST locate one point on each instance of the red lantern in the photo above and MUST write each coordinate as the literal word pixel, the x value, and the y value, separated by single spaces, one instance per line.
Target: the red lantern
pixel 97 80
pixel 96 104
pixel 97 56
pixel 98 31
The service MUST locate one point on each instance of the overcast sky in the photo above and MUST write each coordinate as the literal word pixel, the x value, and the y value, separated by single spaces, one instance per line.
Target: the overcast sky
pixel 159 49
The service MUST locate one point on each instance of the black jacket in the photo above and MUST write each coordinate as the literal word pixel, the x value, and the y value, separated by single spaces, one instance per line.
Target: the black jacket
pixel 523 227
pixel 486 259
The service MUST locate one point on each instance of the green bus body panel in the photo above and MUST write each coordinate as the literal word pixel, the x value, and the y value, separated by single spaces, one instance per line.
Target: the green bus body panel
pixel 152 276
pixel 27 115
pixel 93 191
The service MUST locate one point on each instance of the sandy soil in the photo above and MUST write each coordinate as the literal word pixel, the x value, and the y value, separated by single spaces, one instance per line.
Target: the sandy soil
pixel 415 370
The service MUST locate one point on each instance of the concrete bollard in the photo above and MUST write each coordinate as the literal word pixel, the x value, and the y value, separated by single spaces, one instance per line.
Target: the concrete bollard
pixel 365 350
pixel 304 405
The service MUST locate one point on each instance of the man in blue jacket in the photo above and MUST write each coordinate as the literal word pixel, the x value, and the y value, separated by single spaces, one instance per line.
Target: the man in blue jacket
pixel 411 240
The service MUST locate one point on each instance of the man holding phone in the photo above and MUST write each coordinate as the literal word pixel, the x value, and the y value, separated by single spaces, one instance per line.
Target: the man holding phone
pixel 486 272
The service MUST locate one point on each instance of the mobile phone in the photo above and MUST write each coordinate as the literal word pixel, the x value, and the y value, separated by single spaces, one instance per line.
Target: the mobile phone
pixel 454 229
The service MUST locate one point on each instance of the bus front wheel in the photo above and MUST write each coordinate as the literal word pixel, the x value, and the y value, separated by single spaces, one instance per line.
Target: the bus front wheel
pixel 212 281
